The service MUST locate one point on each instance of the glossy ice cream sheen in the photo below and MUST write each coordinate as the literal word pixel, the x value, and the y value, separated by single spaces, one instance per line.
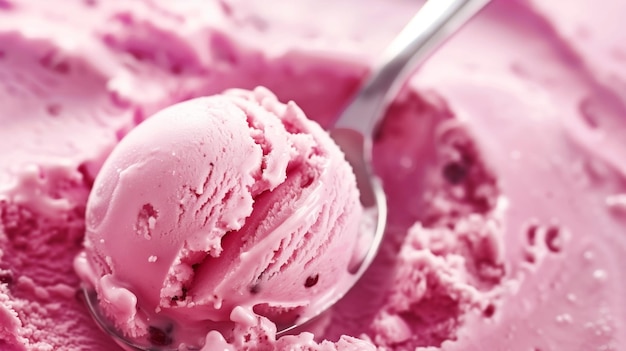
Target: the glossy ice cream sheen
pixel 502 159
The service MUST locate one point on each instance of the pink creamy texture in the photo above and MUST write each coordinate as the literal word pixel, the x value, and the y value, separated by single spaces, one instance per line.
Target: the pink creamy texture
pixel 230 205
pixel 503 160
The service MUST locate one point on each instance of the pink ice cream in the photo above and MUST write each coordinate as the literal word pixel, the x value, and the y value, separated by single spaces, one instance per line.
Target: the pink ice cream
pixel 502 160
pixel 218 210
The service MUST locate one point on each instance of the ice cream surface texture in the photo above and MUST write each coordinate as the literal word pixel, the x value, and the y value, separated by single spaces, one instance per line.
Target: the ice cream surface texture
pixel 215 210
pixel 502 160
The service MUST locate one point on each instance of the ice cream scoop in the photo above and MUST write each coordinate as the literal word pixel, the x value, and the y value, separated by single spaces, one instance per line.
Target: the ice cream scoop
pixel 214 212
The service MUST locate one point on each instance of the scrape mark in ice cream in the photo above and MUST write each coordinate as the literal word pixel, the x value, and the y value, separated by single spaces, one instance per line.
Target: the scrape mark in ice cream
pixel 472 181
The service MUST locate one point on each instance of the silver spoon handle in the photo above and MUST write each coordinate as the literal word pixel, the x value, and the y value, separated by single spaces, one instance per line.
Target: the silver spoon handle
pixel 435 22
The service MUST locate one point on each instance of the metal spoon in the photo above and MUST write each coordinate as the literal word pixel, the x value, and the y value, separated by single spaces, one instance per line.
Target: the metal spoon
pixel 435 22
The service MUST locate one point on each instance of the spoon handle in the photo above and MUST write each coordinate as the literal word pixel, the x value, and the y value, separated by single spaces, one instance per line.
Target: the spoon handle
pixel 435 22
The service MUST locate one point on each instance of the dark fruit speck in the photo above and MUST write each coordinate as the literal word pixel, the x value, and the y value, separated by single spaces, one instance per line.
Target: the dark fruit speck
pixel 255 289
pixel 454 172
pixel 531 233
pixel 311 281
pixel 553 239
pixel 6 277
pixel 489 311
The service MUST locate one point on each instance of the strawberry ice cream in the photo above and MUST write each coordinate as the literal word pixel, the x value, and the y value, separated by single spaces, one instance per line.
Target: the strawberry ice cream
pixel 502 159
pixel 232 206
